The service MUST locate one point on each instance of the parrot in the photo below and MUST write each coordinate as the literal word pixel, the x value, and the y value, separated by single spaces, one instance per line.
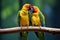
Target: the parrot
pixel 38 19
pixel 23 19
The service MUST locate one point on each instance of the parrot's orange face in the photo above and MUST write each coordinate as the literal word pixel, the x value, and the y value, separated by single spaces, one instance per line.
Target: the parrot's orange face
pixel 26 6
pixel 35 9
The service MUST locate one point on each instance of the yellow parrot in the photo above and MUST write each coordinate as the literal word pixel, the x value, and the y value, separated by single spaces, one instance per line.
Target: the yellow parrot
pixel 35 17
pixel 38 19
pixel 23 19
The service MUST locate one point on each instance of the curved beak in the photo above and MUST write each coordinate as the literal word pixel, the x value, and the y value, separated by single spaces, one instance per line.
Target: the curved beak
pixel 31 9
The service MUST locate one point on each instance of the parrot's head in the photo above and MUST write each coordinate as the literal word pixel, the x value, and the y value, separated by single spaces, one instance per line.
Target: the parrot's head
pixel 26 7
pixel 35 10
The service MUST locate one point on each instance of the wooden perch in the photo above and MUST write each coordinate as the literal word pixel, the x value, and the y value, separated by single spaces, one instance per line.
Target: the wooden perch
pixel 30 28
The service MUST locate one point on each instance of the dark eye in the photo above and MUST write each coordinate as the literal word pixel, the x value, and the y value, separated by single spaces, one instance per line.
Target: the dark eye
pixel 29 8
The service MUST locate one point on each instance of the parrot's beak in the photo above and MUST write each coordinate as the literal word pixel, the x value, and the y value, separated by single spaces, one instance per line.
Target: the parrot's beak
pixel 31 9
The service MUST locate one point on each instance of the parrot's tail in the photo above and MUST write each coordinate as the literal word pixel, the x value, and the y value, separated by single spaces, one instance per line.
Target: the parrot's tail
pixel 40 35
pixel 24 35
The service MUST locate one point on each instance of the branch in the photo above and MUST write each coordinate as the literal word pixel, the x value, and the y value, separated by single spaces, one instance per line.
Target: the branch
pixel 30 28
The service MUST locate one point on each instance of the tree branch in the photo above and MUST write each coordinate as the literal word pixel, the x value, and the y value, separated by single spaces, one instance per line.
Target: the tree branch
pixel 30 28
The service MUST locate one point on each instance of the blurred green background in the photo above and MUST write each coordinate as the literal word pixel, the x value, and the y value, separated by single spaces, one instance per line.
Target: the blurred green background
pixel 10 8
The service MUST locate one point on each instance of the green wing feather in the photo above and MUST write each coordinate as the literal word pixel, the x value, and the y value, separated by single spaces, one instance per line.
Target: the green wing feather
pixel 42 18
pixel 18 18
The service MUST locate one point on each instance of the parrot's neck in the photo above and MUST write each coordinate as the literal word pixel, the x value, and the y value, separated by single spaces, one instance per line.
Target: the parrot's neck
pixel 23 13
pixel 25 9
pixel 35 14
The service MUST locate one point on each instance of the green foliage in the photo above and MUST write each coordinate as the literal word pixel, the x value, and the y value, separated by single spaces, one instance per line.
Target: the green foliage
pixel 50 2
pixel 8 15
pixel 6 12
pixel 8 8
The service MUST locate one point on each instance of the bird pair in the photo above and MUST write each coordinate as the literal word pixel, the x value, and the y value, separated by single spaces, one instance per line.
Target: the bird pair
pixel 30 16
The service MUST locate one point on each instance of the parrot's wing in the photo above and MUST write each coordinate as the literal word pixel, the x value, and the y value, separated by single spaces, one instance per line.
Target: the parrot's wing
pixel 18 18
pixel 42 19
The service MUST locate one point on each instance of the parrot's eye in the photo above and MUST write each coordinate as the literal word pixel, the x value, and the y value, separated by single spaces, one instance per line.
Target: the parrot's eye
pixel 29 7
